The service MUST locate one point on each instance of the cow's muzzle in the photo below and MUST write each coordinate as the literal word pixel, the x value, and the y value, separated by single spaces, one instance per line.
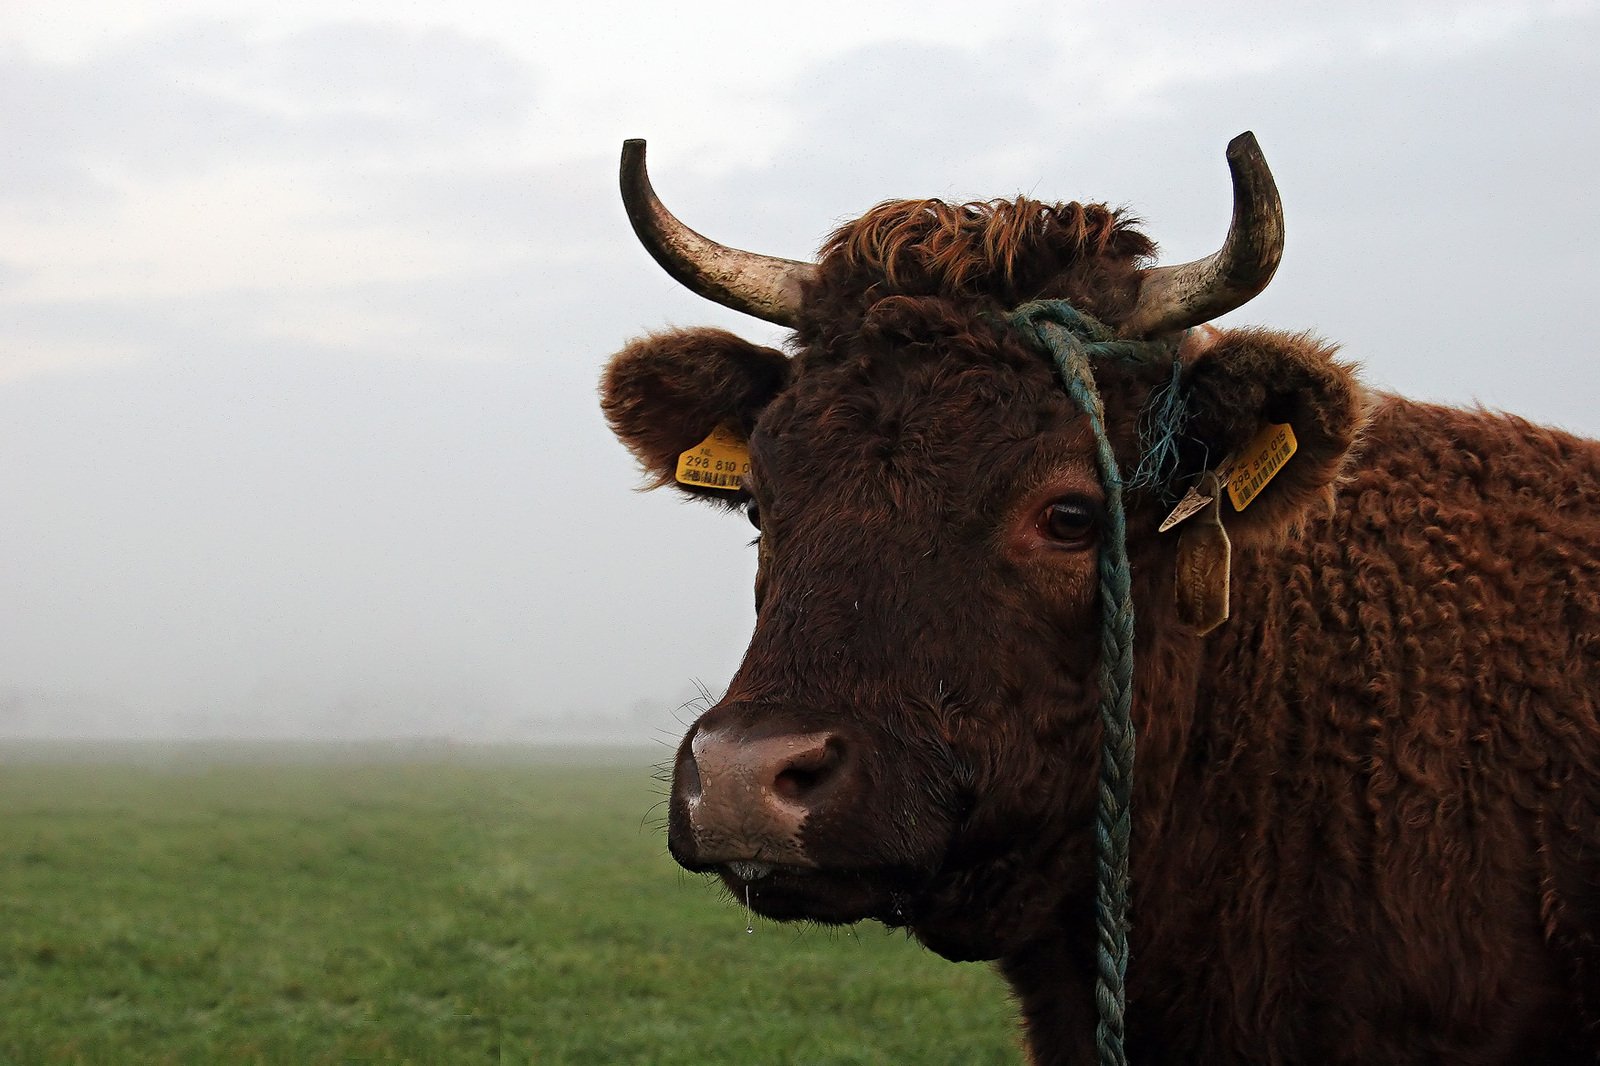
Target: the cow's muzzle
pixel 741 803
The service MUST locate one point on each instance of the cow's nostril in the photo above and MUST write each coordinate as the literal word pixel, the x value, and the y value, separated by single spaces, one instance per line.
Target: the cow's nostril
pixel 794 784
pixel 805 772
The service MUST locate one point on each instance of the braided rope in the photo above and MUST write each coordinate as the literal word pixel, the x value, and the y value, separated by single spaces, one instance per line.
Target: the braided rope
pixel 1074 341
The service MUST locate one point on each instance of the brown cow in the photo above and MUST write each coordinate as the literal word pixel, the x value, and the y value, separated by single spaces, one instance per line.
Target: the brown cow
pixel 1366 807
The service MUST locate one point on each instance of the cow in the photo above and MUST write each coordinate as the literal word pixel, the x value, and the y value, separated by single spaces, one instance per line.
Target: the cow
pixel 1366 801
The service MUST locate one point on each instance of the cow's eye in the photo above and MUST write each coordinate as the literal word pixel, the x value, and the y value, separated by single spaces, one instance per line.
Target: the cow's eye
pixel 1070 521
pixel 752 512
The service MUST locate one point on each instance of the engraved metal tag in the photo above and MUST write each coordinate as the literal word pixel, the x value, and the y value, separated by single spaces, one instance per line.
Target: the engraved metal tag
pixel 1204 565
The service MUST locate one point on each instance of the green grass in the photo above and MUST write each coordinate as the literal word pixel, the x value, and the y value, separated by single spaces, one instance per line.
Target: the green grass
pixel 227 910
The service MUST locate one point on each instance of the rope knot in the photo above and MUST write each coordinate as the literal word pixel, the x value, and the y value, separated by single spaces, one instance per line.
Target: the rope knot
pixel 1078 342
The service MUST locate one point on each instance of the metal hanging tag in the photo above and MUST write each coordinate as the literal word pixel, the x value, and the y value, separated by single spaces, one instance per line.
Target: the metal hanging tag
pixel 1204 565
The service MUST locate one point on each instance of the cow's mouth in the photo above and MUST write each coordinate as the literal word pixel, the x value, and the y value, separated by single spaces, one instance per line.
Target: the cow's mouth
pixel 832 897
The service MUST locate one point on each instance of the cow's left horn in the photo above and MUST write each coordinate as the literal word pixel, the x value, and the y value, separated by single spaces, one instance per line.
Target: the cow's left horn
pixel 760 285
pixel 1177 297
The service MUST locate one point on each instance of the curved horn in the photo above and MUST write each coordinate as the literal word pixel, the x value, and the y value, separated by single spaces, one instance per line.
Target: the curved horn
pixel 1173 298
pixel 760 285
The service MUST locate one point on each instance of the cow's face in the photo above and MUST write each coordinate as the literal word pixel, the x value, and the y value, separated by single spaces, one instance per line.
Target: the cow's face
pixel 912 734
pixel 929 513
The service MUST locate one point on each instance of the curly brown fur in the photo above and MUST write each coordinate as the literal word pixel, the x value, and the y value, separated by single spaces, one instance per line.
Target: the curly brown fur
pixel 1381 842
pixel 997 254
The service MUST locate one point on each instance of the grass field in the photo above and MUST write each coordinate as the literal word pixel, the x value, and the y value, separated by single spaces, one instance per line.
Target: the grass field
pixel 288 907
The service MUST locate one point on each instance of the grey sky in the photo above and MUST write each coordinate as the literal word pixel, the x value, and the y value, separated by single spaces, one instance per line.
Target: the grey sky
pixel 302 308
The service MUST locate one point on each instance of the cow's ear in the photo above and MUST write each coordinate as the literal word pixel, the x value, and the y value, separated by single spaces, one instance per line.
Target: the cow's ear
pixel 667 393
pixel 1242 384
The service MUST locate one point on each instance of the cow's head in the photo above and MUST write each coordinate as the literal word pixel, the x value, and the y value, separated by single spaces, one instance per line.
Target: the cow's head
pixel 912 734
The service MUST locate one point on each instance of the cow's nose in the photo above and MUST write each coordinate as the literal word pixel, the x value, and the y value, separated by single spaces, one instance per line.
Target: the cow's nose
pixel 747 799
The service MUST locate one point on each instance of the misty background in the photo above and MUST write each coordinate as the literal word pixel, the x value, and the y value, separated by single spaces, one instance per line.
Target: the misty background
pixel 303 305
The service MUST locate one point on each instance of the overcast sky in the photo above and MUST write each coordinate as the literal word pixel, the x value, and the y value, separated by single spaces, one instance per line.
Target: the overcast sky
pixel 302 305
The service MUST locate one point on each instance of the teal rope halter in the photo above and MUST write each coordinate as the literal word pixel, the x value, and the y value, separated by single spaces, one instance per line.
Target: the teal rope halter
pixel 1075 341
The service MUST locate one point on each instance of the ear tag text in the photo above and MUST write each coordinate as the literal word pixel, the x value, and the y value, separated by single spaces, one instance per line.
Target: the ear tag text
pixel 719 462
pixel 1259 462
pixel 1204 566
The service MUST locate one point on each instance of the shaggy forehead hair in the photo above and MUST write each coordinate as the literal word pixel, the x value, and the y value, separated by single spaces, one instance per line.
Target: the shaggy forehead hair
pixel 994 246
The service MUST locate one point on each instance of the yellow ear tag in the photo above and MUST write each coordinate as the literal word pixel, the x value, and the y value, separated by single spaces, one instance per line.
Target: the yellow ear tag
pixel 1259 462
pixel 719 462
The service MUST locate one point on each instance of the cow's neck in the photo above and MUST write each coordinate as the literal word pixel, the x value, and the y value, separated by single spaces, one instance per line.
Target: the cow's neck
pixel 1053 975
pixel 1053 978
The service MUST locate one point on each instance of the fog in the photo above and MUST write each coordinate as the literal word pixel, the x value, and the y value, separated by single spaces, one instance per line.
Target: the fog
pixel 302 306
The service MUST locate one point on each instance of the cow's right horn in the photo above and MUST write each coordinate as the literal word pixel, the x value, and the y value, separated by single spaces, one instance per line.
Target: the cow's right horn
pixel 760 285
pixel 1173 298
